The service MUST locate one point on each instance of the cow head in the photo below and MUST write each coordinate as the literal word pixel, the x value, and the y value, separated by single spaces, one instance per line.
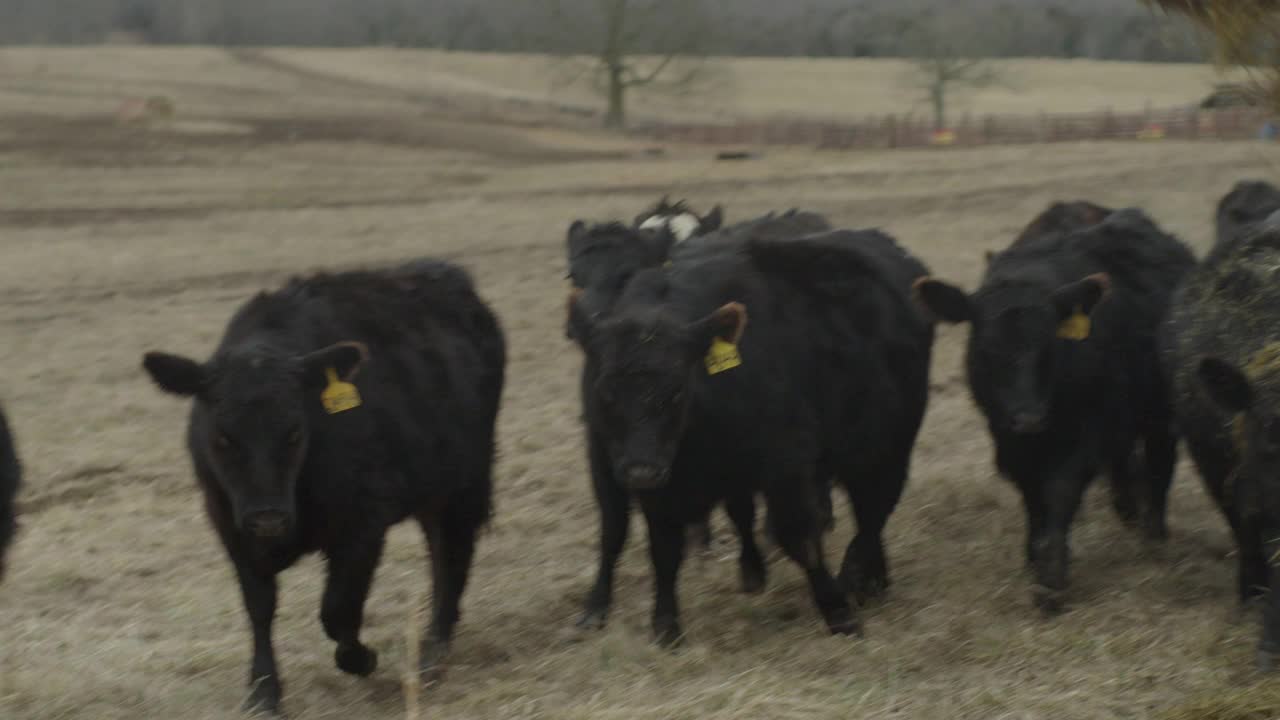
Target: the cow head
pixel 646 364
pixel 1012 345
pixel 1250 202
pixel 253 419
pixel 678 220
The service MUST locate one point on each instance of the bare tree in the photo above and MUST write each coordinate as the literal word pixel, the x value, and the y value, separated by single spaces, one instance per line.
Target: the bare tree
pixel 636 44
pixel 945 59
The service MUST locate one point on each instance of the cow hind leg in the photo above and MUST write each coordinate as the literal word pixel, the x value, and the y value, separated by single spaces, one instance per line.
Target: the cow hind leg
pixel 351 569
pixel 699 534
pixel 796 529
pixel 751 567
pixel 864 573
pixel 451 538
pixel 1124 468
pixel 1160 452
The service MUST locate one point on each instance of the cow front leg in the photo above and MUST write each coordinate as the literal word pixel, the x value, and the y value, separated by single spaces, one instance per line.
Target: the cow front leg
pixel 351 569
pixel 258 591
pixel 614 505
pixel 666 551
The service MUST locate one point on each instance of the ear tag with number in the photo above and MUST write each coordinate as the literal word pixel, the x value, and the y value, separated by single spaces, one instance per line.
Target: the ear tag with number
pixel 1075 327
pixel 338 396
pixel 722 356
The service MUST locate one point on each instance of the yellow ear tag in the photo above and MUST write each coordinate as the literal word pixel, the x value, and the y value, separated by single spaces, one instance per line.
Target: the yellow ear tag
pixel 338 396
pixel 1075 327
pixel 666 264
pixel 722 356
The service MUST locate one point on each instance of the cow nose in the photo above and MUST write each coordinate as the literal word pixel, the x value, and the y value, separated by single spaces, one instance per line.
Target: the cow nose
pixel 1028 422
pixel 267 523
pixel 643 477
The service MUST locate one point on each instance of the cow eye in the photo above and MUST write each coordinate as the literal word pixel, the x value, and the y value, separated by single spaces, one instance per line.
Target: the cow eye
pixel 222 442
pixel 295 436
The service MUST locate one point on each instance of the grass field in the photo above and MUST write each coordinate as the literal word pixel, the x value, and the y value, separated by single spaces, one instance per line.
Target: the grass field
pixel 728 89
pixel 115 240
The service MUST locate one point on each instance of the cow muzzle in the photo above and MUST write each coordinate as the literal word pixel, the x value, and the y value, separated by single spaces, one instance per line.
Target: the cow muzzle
pixel 268 523
pixel 643 476
pixel 1027 423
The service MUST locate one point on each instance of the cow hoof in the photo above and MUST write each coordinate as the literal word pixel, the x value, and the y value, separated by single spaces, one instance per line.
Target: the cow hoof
pixel 1049 601
pixel 264 700
pixel 431 665
pixel 667 633
pixel 593 619
pixel 355 659
pixel 864 588
pixel 844 623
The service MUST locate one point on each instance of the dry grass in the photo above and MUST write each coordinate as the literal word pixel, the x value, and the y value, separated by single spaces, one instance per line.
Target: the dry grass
pixel 121 605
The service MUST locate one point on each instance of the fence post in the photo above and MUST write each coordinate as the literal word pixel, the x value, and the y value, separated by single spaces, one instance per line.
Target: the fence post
pixel 891 129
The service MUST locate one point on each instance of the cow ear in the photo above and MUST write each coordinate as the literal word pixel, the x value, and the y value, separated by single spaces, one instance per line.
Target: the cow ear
pixel 575 230
pixel 727 323
pixel 989 256
pixel 577 326
pixel 1226 385
pixel 945 302
pixel 344 358
pixel 175 374
pixel 711 221
pixel 1081 296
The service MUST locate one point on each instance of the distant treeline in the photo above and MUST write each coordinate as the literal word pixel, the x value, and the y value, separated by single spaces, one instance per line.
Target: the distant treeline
pixel 1097 29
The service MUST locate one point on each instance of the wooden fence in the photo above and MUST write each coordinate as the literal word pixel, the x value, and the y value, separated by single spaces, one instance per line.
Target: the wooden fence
pixel 899 131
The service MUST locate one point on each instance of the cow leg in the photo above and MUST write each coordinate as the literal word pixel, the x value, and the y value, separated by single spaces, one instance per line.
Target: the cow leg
pixel 259 593
pixel 1124 496
pixel 1033 504
pixel 451 536
pixel 614 505
pixel 751 568
pixel 666 550
pixel 1160 451
pixel 799 534
pixel 700 533
pixel 351 569
pixel 1269 646
pixel 865 570
pixel 1253 572
pixel 1063 493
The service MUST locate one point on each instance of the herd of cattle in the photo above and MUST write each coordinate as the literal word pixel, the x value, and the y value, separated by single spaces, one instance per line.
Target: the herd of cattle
pixel 726 364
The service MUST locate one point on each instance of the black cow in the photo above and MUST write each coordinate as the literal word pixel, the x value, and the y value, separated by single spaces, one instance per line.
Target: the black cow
pixel 1248 203
pixel 1064 217
pixel 832 380
pixel 292 458
pixel 1221 346
pixel 1062 360
pixel 10 479
pixel 604 257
